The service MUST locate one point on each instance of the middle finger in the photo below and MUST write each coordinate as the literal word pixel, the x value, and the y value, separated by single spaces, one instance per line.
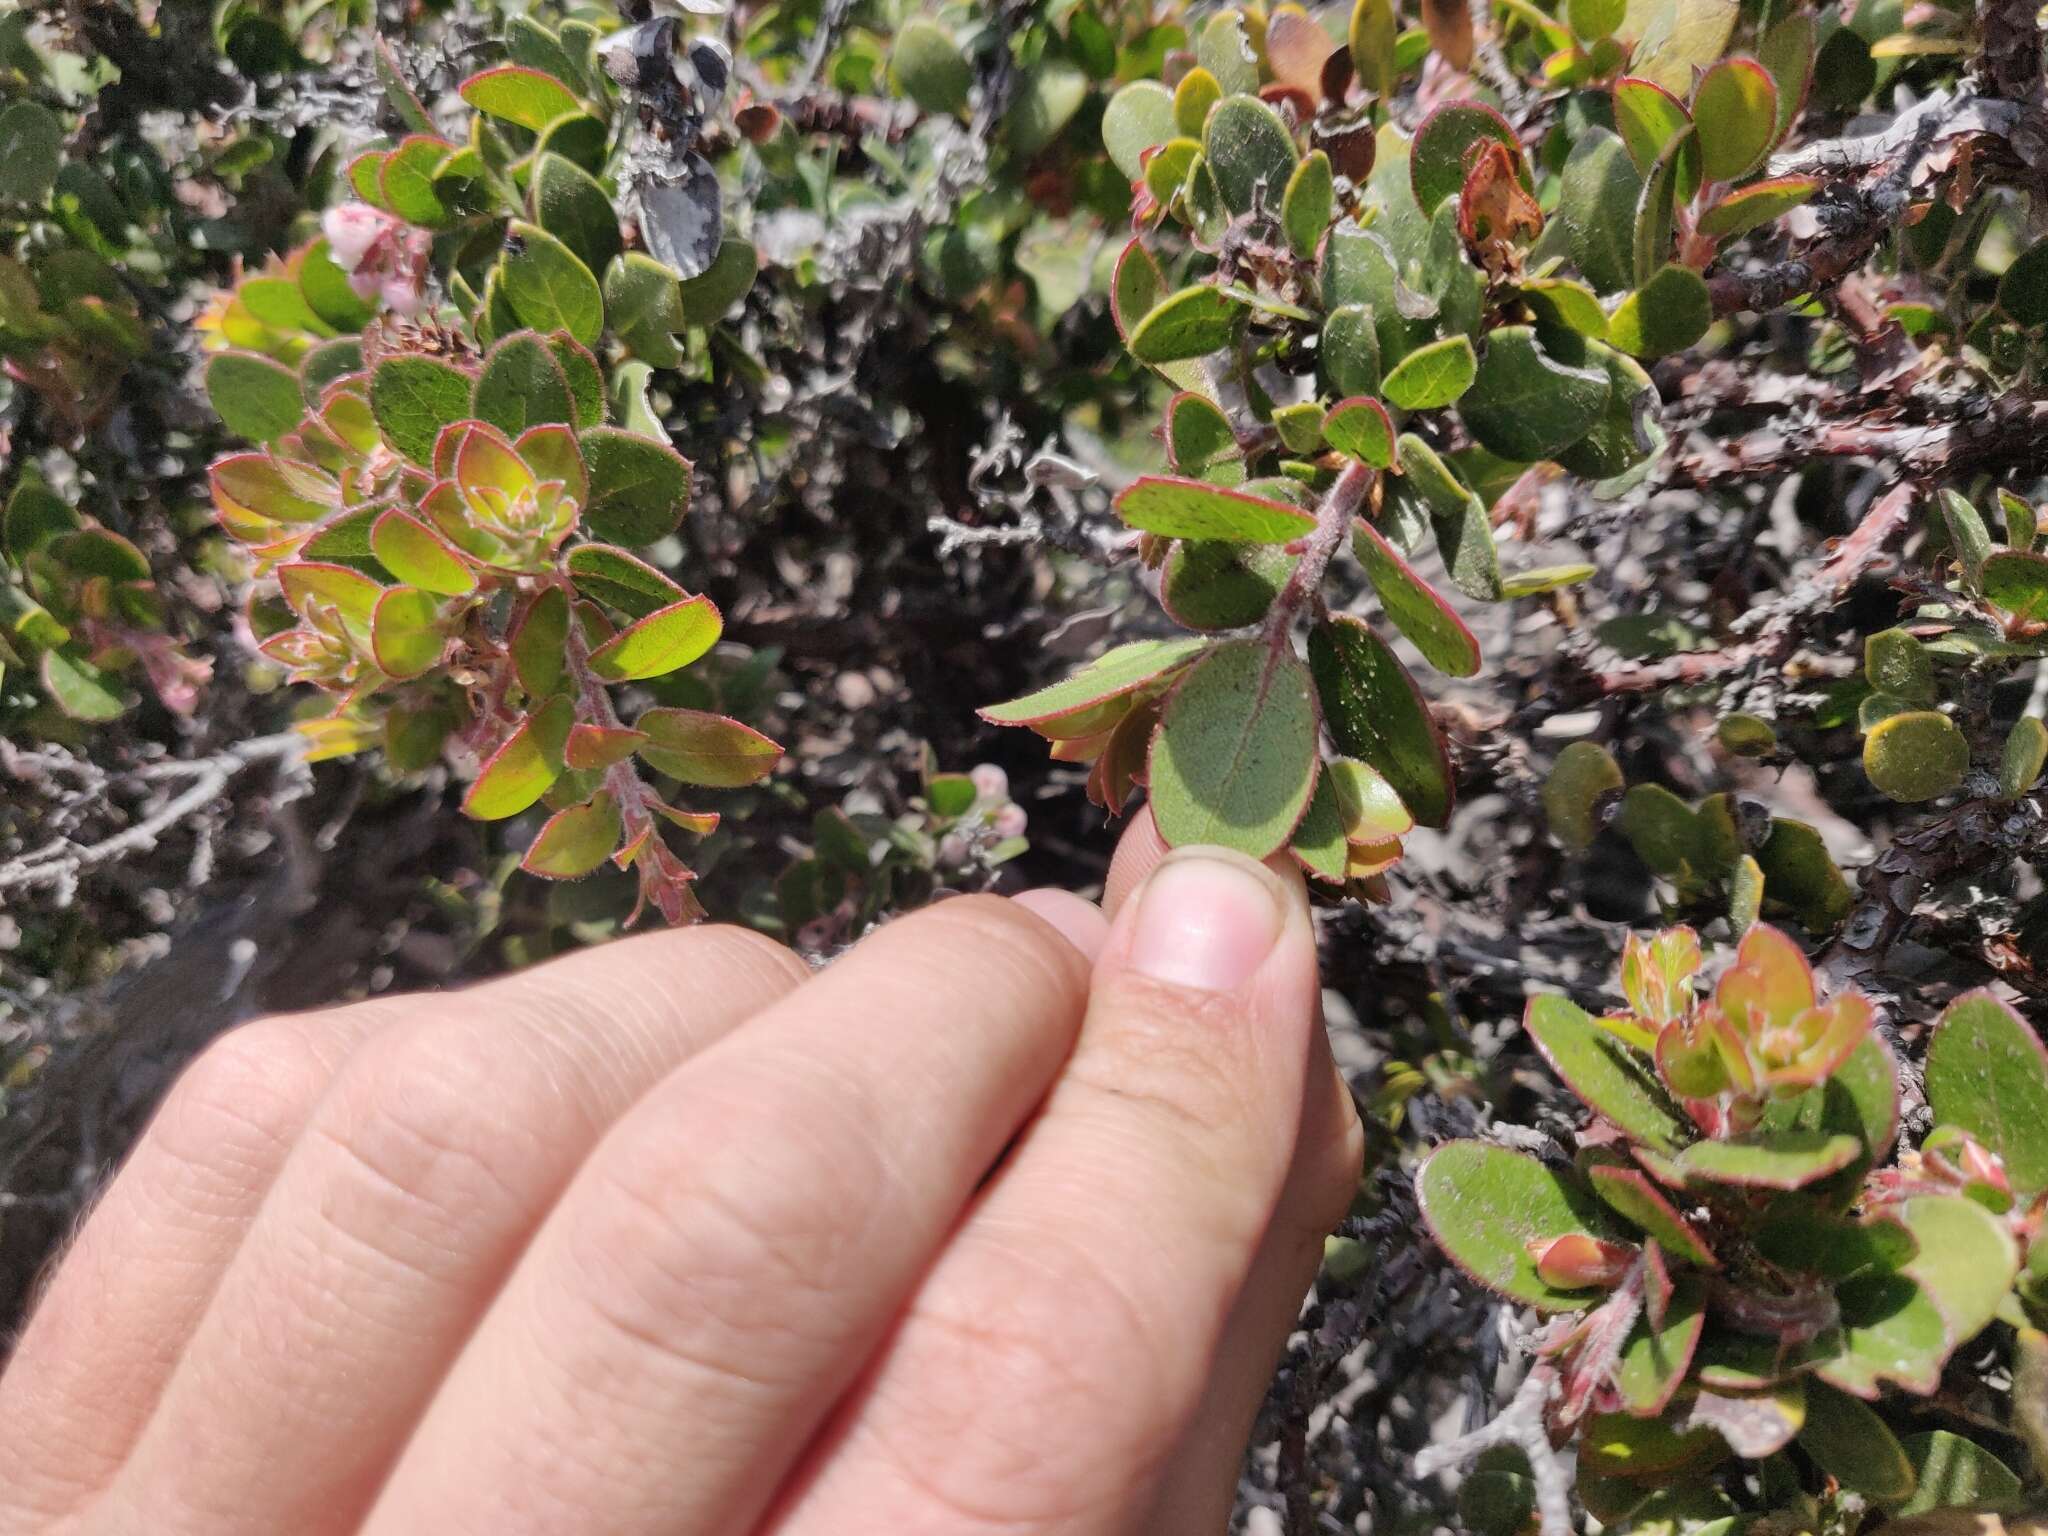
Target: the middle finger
pixel 739 1243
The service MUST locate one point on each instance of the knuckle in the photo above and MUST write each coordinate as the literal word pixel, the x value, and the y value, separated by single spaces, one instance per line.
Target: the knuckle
pixel 1066 1349
pixel 416 1136
pixel 1159 1059
pixel 726 1222
pixel 245 1096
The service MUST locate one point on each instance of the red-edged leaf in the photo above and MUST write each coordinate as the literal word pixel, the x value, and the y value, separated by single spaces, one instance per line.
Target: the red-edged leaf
pixel 593 748
pixel 1416 607
pixel 575 841
pixel 702 748
pixel 520 771
pixel 657 645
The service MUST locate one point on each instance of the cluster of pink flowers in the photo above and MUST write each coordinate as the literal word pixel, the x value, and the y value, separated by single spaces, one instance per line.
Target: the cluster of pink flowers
pixel 385 258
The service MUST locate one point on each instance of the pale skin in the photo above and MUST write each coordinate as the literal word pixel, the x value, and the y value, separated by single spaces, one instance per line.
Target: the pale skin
pixel 996 1224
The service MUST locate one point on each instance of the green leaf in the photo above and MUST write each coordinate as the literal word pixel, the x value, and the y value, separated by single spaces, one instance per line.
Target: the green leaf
pixel 1966 531
pixel 406 179
pixel 326 290
pixel 537 641
pixel 1350 350
pixel 664 641
pixel 639 488
pixel 1656 207
pixel 2016 580
pixel 575 841
pixel 1225 50
pixel 586 382
pixel 1681 36
pixel 1372 36
pixel 643 306
pixel 618 580
pixel 31 148
pixel 1526 404
pixel 1432 376
pixel 2023 289
pixel 1121 670
pixel 1898 664
pixel 1194 509
pixel 1248 146
pixel 1191 323
pixel 1950 1472
pixel 1860 1099
pixel 1648 118
pixel 1217 584
pixel 1310 199
pixel 1801 877
pixel 2026 753
pixel 1635 1197
pixel 1139 117
pixel 1361 429
pixel 1786 50
pixel 1464 534
pixel 1654 1360
pixel 705 749
pixel 522 385
pixel 1197 432
pixel 1744 208
pixel 255 397
pixel 1193 100
pixel 1916 755
pixel 80 689
pixel 1966 1263
pixel 709 296
pixel 1736 110
pixel 570 205
pixel 1485 1205
pixel 1376 713
pixel 325 364
pixel 1597 198
pixel 516 94
pixel 1616 1083
pixel 1854 1446
pixel 1781 1160
pixel 1545 578
pixel 1234 761
pixel 520 771
pixel 413 398
pixel 929 68
pixel 1415 606
pixel 579 139
pixel 1658 1451
pixel 1584 778
pixel 36 515
pixel 1890 1331
pixel 1438 159
pixel 1041 105
pixel 1987 1073
pixel 405 632
pixel 1667 314
pixel 418 556
pixel 548 287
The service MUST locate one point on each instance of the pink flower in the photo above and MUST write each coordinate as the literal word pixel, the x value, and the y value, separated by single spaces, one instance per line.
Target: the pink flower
pixel 351 230
pixel 1011 821
pixel 990 782
pixel 385 258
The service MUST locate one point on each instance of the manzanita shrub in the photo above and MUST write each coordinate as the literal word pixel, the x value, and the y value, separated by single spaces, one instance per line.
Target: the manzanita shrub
pixel 1370 337
pixel 1550 468
pixel 1740 1255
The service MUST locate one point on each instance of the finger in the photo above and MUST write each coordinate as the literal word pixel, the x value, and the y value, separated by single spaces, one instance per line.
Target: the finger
pixel 1138 853
pixel 734 1251
pixel 1199 1486
pixel 97 1351
pixel 1056 1353
pixel 420 1176
pixel 1079 921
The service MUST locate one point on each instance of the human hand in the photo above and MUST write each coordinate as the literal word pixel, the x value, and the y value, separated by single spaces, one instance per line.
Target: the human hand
pixel 672 1236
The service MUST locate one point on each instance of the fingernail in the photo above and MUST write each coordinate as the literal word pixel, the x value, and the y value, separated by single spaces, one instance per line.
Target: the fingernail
pixel 1207 918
